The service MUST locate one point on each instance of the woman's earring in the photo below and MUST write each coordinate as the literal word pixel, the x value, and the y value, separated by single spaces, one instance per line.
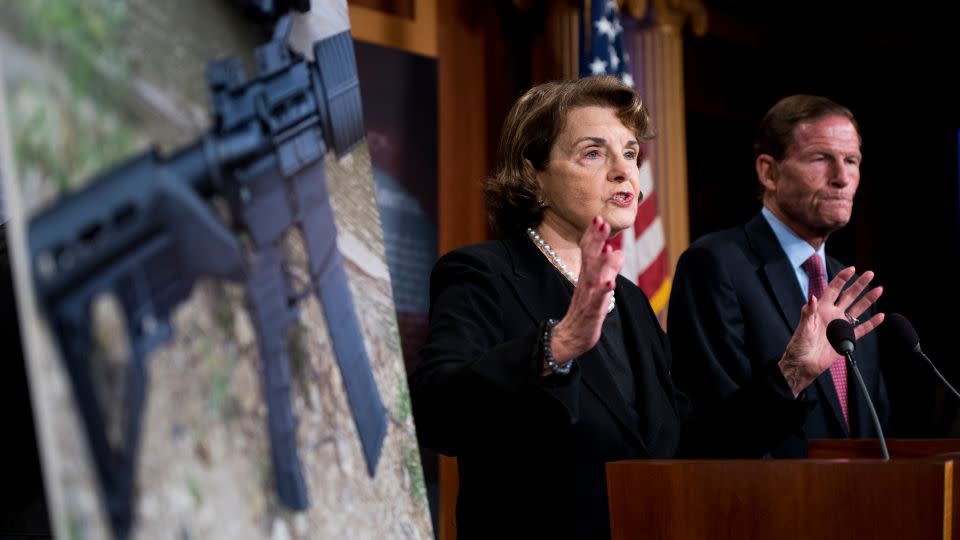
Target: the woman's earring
pixel 541 203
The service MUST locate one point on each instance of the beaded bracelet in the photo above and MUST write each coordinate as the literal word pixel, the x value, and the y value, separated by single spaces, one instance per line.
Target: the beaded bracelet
pixel 551 362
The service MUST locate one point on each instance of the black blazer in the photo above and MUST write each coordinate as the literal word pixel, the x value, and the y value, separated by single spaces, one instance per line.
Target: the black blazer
pixel 734 305
pixel 531 451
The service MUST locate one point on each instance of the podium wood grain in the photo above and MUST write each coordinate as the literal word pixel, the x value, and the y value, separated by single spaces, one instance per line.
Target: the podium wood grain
pixel 783 499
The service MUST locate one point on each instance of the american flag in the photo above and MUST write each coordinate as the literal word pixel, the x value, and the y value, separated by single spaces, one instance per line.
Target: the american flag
pixel 644 244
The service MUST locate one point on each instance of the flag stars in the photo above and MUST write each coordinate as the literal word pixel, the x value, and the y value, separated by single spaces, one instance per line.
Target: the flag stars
pixel 605 27
pixel 598 66
pixel 604 54
pixel 614 59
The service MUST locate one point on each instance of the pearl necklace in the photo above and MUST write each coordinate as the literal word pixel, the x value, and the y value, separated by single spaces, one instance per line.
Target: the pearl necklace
pixel 554 259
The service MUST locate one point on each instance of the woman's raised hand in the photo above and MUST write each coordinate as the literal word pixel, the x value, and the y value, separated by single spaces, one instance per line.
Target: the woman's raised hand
pixel 579 330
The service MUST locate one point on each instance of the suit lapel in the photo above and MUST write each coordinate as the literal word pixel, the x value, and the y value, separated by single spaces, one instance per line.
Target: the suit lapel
pixel 598 379
pixel 538 285
pixel 776 270
pixel 643 362
pixel 544 294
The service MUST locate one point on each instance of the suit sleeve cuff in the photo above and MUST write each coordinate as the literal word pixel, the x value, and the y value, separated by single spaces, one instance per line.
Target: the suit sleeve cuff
pixel 777 383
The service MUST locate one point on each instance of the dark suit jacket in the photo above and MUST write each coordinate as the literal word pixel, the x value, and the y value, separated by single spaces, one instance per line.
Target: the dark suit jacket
pixel 734 305
pixel 532 451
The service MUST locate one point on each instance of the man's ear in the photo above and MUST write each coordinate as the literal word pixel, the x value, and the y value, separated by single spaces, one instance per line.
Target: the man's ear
pixel 767 171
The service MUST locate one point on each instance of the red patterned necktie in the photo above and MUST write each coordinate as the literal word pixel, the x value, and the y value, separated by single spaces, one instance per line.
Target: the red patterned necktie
pixel 818 283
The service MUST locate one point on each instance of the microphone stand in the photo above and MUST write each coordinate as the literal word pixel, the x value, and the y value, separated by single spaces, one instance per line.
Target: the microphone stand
pixel 873 412
pixel 937 372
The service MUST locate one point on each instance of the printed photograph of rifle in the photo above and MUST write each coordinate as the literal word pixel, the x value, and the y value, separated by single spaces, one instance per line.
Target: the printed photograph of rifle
pixel 245 209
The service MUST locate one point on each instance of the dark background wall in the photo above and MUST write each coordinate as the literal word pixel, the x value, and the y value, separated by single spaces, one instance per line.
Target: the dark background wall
pixel 893 67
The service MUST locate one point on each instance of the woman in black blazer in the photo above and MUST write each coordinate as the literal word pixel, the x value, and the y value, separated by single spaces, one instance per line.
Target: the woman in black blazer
pixel 542 363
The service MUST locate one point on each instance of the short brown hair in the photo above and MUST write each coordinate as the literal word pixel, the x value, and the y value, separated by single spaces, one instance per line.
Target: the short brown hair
pixel 529 132
pixel 775 133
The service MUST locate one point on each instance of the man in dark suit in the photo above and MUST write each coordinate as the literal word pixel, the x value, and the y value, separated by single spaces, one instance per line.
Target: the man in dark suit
pixel 737 293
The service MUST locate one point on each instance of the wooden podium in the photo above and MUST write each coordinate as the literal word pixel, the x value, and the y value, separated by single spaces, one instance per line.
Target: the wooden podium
pixel 848 496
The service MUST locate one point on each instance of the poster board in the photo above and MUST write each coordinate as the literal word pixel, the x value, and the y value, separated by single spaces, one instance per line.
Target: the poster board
pixel 86 85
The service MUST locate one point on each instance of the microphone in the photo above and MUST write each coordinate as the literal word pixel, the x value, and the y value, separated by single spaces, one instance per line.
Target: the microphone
pixel 841 336
pixel 906 338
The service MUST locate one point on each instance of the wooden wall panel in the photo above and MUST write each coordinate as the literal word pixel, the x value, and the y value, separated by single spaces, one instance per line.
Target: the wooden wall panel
pixel 392 24
pixel 397 8
pixel 463 122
